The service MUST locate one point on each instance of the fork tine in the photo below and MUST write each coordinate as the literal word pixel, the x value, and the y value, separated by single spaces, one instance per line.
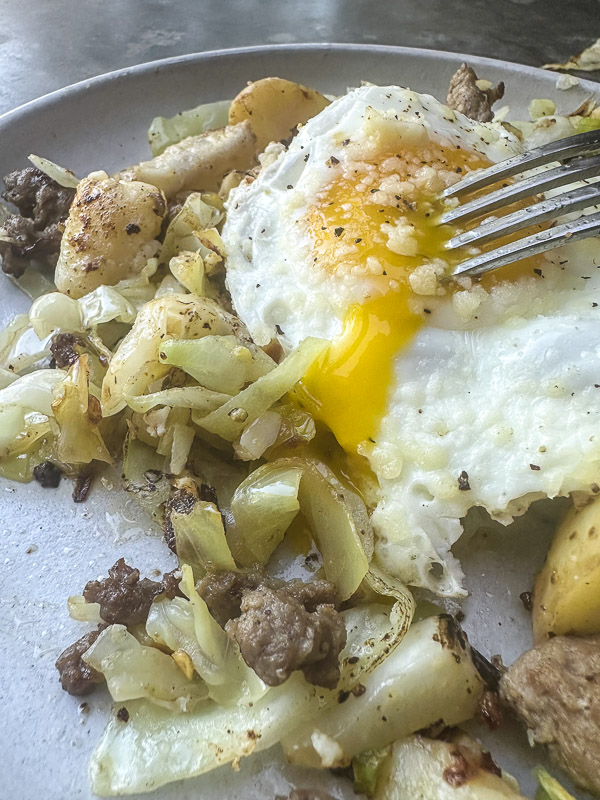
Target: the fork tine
pixel 576 170
pixel 583 197
pixel 560 150
pixel 550 239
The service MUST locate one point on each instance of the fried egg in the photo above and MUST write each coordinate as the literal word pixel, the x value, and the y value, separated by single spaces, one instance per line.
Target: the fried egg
pixel 483 396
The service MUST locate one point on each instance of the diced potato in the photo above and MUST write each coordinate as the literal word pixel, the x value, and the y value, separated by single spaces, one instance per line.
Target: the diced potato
pixel 274 106
pixel 566 599
pixel 458 769
pixel 198 162
pixel 109 233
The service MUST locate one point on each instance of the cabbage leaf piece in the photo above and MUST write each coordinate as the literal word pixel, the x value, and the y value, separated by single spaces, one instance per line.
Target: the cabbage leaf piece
pixel 26 410
pixel 188 625
pixel 136 363
pixel 164 131
pixel 266 503
pixel 186 230
pixel 230 419
pixel 221 363
pixel 156 748
pixel 429 677
pixel 263 507
pixel 78 414
pixel 549 788
pixel 200 538
pixel 133 671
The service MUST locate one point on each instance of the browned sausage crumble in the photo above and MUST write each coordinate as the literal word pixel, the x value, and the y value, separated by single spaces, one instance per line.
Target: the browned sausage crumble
pixel 465 96
pixel 66 349
pixel 76 676
pixel 555 690
pixel 47 475
pixel 37 229
pixel 125 599
pixel 280 627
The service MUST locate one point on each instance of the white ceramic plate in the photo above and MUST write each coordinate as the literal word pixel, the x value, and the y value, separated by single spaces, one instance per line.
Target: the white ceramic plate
pixel 49 547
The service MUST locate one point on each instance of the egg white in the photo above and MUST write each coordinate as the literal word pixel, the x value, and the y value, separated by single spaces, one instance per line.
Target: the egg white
pixel 495 386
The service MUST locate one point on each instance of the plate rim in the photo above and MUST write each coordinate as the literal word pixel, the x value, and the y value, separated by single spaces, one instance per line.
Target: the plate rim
pixel 165 64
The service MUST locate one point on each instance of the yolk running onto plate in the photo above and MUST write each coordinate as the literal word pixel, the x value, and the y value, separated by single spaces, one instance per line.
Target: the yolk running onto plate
pixel 378 223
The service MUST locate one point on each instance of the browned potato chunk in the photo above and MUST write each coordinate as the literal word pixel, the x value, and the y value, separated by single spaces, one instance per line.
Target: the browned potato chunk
pixel 274 107
pixel 198 162
pixel 109 233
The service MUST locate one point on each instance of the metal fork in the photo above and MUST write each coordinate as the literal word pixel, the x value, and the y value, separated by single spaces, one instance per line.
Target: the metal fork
pixel 579 159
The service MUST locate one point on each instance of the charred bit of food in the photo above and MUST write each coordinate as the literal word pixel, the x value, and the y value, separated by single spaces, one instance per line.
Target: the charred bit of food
pixel 125 599
pixel 47 474
pixel 465 96
pixel 37 229
pixel 280 627
pixel 76 676
pixel 555 690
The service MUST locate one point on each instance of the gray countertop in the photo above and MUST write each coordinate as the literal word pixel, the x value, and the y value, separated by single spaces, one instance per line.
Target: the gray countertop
pixel 47 44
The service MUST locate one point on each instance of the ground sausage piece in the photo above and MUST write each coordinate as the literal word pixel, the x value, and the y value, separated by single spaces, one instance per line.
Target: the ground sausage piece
pixel 555 690
pixel 37 230
pixel 125 599
pixel 66 349
pixel 465 96
pixel 77 677
pixel 280 627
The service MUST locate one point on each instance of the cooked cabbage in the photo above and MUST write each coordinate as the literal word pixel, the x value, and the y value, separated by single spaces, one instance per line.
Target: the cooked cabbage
pixel 61 175
pixel 78 414
pixel 200 535
pixel 170 130
pixel 263 507
pixel 156 747
pixel 196 216
pixel 549 788
pixel 220 363
pixel 230 420
pixel 265 504
pixel 188 625
pixel 133 671
pixel 136 362
pixel 429 678
pixel 26 409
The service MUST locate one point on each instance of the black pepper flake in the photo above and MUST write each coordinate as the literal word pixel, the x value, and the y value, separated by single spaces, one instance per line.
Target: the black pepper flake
pixel 595 488
pixel 463 482
pixel 427 311
pixel 338 231
pixel 343 696
pixel 373 191
pixel 358 690
pixel 289 186
pixel 334 160
pixel 306 157
pixel 123 714
pixel 279 331
pixel 356 241
pixel 594 305
pixel 538 272
pixel 353 660
pixel 345 142
pixel 534 467
pixel 132 228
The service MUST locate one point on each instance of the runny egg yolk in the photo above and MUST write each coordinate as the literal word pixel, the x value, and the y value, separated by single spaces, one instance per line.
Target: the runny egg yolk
pixel 377 222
